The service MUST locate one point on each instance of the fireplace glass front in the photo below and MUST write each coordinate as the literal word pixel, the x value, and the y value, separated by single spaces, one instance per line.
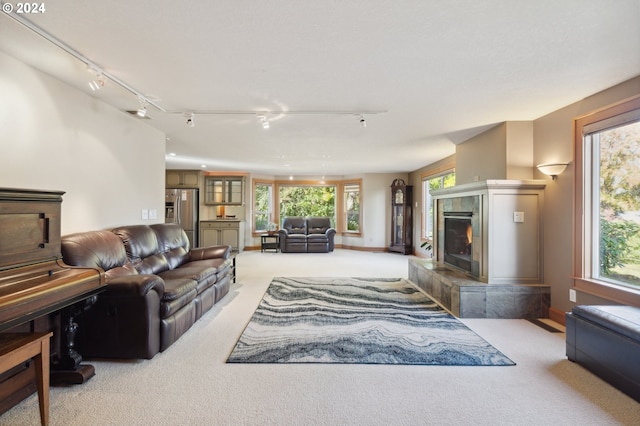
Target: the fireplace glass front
pixel 458 235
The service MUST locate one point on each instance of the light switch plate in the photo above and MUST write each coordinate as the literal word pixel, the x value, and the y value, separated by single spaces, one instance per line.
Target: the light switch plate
pixel 145 214
pixel 518 217
pixel 153 214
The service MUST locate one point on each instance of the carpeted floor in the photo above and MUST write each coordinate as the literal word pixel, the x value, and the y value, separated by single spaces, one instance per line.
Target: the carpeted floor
pixel 357 321
pixel 191 384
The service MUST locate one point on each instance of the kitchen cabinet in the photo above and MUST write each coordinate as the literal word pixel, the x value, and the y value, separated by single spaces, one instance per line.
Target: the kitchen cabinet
pixel 183 178
pixel 224 190
pixel 222 232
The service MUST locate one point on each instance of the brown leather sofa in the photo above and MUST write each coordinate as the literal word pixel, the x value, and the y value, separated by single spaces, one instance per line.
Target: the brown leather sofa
pixel 306 235
pixel 157 287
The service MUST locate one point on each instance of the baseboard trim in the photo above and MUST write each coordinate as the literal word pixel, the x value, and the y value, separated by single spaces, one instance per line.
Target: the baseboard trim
pixel 358 248
pixel 557 315
pixel 340 246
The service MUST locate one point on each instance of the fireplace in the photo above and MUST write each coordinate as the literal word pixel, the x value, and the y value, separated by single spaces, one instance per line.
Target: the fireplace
pixel 458 238
pixel 491 230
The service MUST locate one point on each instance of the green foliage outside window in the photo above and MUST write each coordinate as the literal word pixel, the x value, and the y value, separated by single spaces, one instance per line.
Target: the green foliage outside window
pixel 352 207
pixel 308 201
pixel 619 172
pixel 261 208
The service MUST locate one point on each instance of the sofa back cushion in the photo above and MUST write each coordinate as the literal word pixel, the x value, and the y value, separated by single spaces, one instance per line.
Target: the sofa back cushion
pixel 318 225
pixel 173 243
pixel 141 244
pixel 295 225
pixel 97 249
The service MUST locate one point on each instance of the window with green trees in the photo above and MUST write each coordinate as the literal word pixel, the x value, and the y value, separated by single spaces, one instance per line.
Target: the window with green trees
pixel 615 207
pixel 352 207
pixel 431 183
pixel 307 201
pixel 262 208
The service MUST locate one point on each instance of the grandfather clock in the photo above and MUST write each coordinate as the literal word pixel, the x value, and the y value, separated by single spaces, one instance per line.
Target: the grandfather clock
pixel 401 217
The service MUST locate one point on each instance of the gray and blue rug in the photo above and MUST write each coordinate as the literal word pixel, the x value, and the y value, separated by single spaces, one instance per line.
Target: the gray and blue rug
pixel 357 321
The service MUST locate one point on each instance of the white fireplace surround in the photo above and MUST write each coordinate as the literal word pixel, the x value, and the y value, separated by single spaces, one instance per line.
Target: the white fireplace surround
pixel 507 228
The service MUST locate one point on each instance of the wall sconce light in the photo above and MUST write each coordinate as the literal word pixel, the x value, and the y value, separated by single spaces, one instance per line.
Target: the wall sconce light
pixel 552 169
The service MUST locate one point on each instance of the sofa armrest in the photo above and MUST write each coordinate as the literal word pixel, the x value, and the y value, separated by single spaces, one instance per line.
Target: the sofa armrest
pixel 136 285
pixel 211 252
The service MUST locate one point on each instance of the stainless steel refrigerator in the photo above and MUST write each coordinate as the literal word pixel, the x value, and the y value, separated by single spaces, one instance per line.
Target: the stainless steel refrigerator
pixel 182 206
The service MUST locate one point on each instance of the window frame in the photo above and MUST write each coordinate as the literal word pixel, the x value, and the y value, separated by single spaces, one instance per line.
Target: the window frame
pixel 341 213
pixel 343 223
pixel 583 247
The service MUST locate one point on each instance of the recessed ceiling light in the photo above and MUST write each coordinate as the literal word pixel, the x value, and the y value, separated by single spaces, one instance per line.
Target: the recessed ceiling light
pixel 203 166
pixel 172 154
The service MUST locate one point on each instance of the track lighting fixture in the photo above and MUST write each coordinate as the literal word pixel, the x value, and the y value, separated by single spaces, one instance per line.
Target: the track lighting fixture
pixel 190 119
pixel 98 82
pixel 142 111
pixel 363 122
pixel 265 122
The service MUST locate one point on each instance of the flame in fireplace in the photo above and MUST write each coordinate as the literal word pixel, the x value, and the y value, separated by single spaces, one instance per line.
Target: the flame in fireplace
pixel 469 234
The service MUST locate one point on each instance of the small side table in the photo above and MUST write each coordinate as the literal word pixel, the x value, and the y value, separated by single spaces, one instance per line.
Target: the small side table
pixel 269 242
pixel 20 347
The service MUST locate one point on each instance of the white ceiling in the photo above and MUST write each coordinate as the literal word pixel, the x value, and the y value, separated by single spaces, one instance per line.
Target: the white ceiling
pixel 438 72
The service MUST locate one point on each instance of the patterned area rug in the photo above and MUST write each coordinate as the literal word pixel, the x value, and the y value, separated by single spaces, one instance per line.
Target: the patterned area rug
pixel 357 321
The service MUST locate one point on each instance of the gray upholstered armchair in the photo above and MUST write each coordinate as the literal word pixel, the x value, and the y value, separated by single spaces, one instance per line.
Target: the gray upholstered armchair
pixel 302 235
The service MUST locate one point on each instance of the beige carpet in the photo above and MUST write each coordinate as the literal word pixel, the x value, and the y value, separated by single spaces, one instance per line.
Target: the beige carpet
pixel 190 384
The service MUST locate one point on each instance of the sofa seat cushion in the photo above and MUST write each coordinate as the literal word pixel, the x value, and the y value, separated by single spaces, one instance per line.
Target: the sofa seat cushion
pixel 201 274
pixel 624 320
pixel 317 238
pixel 178 292
pixel 296 238
pixel 217 264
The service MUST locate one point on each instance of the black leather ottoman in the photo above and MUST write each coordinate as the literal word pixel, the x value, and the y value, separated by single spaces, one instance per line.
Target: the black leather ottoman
pixel 606 341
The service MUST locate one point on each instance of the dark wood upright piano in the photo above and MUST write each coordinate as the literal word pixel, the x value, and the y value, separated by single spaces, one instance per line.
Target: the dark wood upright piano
pixel 38 292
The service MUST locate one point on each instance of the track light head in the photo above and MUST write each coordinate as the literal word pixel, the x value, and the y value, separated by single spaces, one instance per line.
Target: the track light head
pixel 265 122
pixel 190 119
pixel 97 82
pixel 363 122
pixel 142 111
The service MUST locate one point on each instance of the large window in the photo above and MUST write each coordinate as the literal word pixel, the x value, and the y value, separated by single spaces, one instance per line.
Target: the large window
pixel 608 192
pixel 308 200
pixel 340 201
pixel 430 183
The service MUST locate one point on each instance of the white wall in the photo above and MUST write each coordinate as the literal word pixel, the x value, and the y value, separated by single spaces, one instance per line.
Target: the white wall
pixel 553 142
pixel 55 137
pixel 376 200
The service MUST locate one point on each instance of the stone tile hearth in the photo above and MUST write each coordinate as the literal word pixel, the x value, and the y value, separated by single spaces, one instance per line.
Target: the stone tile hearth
pixel 466 297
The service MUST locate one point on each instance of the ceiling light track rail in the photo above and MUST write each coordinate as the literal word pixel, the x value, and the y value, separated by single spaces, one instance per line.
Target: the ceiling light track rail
pixel 144 100
pixel 276 113
pixel 89 63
